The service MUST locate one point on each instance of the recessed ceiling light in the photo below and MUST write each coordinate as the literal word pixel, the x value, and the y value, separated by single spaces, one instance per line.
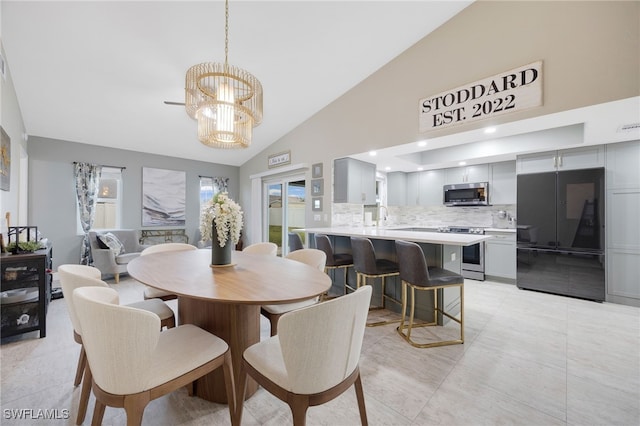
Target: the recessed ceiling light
pixel 420 169
pixel 373 153
pixel 462 163
pixel 490 130
pixel 387 168
pixel 422 143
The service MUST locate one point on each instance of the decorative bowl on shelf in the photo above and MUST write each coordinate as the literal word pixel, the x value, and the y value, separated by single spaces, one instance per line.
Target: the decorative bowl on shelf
pixel 19 295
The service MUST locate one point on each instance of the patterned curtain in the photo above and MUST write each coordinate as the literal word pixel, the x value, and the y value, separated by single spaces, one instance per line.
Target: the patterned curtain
pixel 220 184
pixel 87 177
pixel 210 186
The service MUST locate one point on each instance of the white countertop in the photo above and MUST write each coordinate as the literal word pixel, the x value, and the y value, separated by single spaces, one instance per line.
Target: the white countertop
pixel 508 230
pixel 393 234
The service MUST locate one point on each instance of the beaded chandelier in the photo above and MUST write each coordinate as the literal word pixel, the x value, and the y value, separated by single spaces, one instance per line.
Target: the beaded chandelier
pixel 224 99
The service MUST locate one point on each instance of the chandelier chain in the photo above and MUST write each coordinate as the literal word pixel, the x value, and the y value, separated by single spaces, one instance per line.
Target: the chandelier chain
pixel 226 33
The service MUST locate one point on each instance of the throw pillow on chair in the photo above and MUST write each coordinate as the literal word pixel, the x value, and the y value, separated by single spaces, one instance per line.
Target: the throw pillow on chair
pixel 111 242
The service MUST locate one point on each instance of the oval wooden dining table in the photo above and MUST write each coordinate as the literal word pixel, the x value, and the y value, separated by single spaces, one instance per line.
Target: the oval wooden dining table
pixel 226 300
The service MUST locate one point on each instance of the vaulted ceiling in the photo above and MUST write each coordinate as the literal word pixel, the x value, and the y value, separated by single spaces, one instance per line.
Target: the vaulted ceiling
pixel 98 72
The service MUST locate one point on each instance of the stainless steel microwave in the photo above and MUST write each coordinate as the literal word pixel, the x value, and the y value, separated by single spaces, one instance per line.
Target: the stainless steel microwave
pixel 467 194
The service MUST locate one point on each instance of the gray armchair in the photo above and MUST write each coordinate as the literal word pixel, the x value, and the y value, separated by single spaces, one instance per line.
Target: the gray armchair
pixel 106 261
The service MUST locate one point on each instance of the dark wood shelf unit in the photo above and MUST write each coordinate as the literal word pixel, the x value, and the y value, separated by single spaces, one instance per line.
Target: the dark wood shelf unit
pixel 22 271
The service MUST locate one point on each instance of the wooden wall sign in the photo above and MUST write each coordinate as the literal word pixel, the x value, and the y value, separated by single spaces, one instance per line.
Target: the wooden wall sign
pixel 277 160
pixel 514 90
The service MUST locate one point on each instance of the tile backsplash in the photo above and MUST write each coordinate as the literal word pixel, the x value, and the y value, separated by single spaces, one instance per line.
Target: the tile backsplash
pixel 344 214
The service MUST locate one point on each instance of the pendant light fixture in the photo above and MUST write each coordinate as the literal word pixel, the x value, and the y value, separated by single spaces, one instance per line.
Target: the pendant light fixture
pixel 224 99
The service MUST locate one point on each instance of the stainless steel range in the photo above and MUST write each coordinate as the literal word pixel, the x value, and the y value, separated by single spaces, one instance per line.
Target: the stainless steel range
pixel 473 255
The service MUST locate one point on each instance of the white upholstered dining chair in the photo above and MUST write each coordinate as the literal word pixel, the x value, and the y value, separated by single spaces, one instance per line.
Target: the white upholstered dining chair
pixel 75 276
pixel 154 293
pixel 131 366
pixel 311 257
pixel 314 357
pixel 262 248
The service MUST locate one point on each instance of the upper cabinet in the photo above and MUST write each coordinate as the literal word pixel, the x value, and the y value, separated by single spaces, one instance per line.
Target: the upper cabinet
pixel 425 188
pixel 415 188
pixel 623 165
pixel 502 185
pixel 467 174
pixel 430 187
pixel 354 181
pixel 566 159
pixel 397 189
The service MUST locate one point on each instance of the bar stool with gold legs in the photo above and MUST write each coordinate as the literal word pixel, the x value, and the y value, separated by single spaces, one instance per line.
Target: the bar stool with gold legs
pixel 295 242
pixel 415 275
pixel 368 266
pixel 334 260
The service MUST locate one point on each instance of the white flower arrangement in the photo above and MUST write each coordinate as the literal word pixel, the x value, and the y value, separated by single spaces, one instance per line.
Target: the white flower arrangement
pixel 227 215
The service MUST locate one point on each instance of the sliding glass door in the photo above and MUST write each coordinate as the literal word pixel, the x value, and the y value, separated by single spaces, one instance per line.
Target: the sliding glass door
pixel 284 209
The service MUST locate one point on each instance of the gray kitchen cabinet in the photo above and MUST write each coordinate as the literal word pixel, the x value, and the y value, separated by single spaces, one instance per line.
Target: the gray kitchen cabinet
pixel 623 227
pixel 567 159
pixel 467 174
pixel 423 188
pixel 413 185
pixel 451 261
pixel 500 255
pixel 502 185
pixel 430 187
pixel 623 165
pixel 354 181
pixel 397 189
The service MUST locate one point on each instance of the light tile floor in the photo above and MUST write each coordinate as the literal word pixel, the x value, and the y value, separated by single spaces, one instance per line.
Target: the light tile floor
pixel 528 359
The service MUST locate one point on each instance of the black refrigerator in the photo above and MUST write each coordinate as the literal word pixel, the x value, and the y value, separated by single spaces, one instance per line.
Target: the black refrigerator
pixel 560 233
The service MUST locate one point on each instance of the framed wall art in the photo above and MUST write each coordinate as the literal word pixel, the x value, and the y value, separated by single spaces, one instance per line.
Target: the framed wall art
pixel 163 197
pixel 316 204
pixel 5 161
pixel 317 187
pixel 316 170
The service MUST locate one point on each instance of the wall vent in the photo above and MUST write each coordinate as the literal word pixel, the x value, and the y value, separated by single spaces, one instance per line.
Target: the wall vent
pixel 628 127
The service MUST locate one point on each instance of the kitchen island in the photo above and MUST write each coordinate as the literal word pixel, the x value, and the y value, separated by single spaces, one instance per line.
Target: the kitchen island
pixel 401 233
pixel 441 249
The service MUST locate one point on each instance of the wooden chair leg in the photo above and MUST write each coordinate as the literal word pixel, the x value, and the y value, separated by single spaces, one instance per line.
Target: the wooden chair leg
pixel 231 389
pixel 85 393
pixel 82 360
pixel 273 320
pixel 299 405
pixel 169 322
pixel 98 414
pixel 360 397
pixel 242 389
pixel 117 277
pixel 134 406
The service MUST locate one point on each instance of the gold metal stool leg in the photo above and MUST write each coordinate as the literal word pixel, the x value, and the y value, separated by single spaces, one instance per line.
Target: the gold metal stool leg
pixel 437 308
pixel 362 280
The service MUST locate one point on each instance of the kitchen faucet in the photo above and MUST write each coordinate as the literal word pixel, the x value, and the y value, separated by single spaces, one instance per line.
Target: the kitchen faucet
pixel 385 215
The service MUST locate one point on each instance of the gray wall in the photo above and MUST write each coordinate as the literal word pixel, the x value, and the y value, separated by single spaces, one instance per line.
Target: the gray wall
pixel 589 52
pixel 11 120
pixel 52 197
